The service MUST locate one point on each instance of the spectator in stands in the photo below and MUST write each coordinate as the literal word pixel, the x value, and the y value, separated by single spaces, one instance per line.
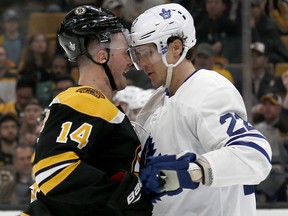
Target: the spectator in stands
pixel 137 102
pixel 45 90
pixel 132 8
pixel 282 123
pixel 7 175
pixel 9 128
pixel 17 190
pixel 13 38
pixel 271 108
pixel 204 58
pixel 25 91
pixel 263 80
pixel 54 6
pixel 29 124
pixel 8 77
pixel 195 7
pixel 116 7
pixel 63 82
pixel 272 189
pixel 123 98
pixel 36 58
pixel 265 30
pixel 218 30
pixel 278 11
pixel 59 65
pixel 70 4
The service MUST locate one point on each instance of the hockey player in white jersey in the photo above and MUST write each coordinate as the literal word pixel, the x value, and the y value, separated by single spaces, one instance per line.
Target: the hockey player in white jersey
pixel 202 157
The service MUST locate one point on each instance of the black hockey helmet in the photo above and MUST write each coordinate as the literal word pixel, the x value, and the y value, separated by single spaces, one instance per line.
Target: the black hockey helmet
pixel 86 22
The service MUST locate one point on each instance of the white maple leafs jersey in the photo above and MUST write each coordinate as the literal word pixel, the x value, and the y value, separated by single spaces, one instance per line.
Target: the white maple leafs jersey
pixel 207 116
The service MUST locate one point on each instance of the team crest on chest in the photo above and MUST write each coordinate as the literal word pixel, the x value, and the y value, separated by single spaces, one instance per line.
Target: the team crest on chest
pixel 91 91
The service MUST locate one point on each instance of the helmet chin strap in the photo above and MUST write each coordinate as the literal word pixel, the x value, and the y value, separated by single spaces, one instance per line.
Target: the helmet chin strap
pixel 106 69
pixel 170 67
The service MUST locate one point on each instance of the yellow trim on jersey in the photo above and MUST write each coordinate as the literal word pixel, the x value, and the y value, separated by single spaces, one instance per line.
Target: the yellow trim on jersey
pixel 50 161
pixel 56 180
pixel 95 102
pixel 8 107
pixel 24 214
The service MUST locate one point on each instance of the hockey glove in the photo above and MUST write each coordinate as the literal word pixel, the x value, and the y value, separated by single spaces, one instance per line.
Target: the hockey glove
pixel 128 199
pixel 168 174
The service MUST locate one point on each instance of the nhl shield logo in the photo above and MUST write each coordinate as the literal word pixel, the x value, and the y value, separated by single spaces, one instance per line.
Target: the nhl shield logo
pixel 166 14
pixel 80 10
pixel 72 46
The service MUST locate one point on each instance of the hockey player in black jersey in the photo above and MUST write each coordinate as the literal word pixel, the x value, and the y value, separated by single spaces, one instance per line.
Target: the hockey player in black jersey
pixel 87 155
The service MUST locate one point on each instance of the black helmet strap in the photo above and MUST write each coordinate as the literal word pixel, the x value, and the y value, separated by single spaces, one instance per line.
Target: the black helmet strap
pixel 106 68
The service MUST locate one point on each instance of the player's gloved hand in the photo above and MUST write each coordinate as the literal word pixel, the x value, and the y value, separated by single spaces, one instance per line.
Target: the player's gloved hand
pixel 128 199
pixel 169 174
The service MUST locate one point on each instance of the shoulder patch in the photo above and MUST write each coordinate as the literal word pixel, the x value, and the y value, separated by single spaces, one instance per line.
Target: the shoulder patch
pixel 91 91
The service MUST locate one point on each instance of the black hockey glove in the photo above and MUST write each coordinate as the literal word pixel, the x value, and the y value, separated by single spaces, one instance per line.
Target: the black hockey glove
pixel 128 198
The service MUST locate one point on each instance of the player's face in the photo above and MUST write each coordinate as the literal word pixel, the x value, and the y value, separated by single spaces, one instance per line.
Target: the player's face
pixel 119 62
pixel 147 58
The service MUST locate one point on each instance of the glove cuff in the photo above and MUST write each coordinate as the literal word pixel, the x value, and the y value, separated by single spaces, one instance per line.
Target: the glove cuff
pixel 207 178
pixel 195 172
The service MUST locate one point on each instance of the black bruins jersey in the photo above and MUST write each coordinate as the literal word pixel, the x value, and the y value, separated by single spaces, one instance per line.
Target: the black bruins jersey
pixel 84 140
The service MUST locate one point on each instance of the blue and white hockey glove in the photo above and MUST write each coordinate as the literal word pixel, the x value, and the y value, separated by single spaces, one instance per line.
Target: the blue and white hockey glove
pixel 169 174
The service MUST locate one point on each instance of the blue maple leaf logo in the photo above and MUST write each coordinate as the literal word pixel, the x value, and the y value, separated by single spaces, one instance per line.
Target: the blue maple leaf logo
pixel 166 14
pixel 148 151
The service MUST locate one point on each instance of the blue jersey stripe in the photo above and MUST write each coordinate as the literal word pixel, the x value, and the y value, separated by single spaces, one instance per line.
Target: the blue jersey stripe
pixel 252 145
pixel 246 135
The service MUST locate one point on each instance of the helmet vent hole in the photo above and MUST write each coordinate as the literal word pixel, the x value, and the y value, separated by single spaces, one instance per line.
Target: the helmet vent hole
pixel 182 15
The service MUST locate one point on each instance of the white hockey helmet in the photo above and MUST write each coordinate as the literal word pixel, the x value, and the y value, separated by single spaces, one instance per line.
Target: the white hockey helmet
pixel 159 23
pixel 156 25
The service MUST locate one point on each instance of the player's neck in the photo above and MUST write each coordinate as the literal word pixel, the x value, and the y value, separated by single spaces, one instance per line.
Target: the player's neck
pixel 180 74
pixel 100 83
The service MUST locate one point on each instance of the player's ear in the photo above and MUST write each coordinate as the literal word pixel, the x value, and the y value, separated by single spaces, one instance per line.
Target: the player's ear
pixel 102 56
pixel 177 47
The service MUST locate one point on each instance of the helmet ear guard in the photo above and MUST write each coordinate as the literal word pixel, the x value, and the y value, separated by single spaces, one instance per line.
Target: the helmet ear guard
pixel 73 46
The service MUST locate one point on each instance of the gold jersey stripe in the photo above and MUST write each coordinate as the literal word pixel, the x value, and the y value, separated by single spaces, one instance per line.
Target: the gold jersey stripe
pixel 56 180
pixel 50 161
pixel 75 98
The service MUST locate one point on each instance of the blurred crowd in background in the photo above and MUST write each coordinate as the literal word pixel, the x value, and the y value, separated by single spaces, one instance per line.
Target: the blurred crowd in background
pixel 34 69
